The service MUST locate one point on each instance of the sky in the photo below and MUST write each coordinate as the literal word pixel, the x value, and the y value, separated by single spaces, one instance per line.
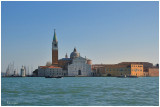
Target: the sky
pixel 107 32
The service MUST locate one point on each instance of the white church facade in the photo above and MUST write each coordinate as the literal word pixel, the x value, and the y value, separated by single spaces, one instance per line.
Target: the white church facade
pixel 79 66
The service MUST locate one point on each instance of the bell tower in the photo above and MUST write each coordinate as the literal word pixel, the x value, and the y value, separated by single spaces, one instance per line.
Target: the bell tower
pixel 55 50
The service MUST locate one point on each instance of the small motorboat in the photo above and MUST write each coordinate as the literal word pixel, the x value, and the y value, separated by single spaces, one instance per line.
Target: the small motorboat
pixel 48 77
pixel 132 77
pixel 124 76
pixel 58 77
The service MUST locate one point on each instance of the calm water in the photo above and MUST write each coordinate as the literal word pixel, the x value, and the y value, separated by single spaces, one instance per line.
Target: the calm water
pixel 82 91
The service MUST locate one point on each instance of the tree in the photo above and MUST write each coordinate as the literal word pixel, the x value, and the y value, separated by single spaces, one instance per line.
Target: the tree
pixel 157 65
pixel 35 72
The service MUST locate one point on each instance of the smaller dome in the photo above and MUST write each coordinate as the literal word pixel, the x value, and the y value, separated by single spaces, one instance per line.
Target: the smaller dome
pixel 74 54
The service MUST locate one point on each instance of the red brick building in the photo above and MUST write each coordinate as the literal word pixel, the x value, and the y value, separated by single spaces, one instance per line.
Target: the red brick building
pixel 153 72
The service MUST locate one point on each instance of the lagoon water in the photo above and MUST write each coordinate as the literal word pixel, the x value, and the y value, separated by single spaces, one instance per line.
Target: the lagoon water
pixel 80 91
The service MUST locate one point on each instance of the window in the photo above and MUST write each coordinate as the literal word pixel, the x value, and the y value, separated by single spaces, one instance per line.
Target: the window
pixel 79 72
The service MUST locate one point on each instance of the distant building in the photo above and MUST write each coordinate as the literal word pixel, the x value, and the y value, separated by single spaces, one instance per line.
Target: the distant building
pixel 137 70
pixel 146 65
pixel 123 68
pixel 98 70
pixel 145 74
pixel 117 70
pixel 23 72
pixel 111 70
pixel 153 71
pixel 44 71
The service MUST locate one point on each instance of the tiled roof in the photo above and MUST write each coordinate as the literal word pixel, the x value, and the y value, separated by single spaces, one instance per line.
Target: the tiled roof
pixel 43 66
pixel 53 67
pixel 49 67
pixel 154 67
pixel 134 63
pixel 65 59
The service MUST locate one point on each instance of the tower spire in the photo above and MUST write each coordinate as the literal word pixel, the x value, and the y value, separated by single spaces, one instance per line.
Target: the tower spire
pixel 55 37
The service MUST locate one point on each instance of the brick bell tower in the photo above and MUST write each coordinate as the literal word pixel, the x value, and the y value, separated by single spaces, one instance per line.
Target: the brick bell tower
pixel 55 50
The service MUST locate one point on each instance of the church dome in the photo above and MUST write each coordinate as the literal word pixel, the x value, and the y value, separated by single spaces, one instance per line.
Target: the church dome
pixel 74 54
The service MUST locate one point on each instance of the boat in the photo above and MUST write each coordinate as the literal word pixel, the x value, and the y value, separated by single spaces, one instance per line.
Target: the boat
pixel 124 76
pixel 58 77
pixel 132 77
pixel 53 77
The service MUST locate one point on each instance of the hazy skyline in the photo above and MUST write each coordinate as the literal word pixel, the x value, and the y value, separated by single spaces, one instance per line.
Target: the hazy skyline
pixel 105 32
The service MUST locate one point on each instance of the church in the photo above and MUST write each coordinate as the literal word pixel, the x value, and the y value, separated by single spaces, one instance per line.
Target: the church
pixel 80 66
pixel 73 66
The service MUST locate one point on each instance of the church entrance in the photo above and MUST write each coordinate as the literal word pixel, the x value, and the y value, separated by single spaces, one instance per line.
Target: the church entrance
pixel 79 72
